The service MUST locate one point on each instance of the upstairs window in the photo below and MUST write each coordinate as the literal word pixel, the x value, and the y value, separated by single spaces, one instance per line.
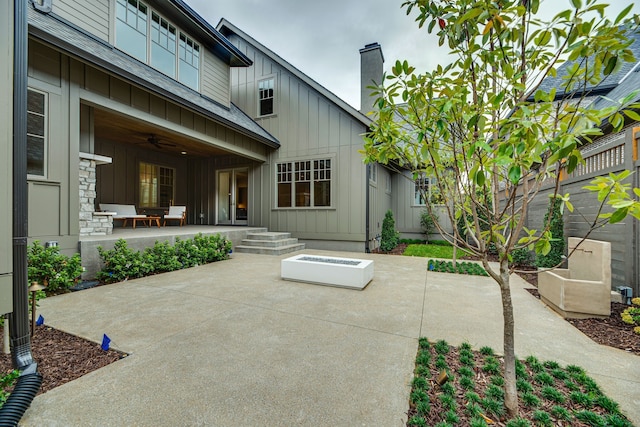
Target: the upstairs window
pixel 36 132
pixel 189 62
pixel 265 97
pixel 157 42
pixel 163 45
pixel 131 28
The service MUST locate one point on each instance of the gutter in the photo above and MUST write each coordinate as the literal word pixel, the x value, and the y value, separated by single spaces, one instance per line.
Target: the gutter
pixel 30 380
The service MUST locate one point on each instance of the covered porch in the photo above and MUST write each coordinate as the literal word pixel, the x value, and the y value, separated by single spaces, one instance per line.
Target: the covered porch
pixel 144 237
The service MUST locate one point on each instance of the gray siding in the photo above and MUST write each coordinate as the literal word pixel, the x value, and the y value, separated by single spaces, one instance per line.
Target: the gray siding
pixel 611 153
pixel 215 79
pixel 309 127
pixel 407 214
pixel 92 16
pixel 106 91
pixel 54 199
pixel 379 202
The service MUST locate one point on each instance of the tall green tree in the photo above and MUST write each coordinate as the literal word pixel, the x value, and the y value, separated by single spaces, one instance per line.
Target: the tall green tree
pixel 487 132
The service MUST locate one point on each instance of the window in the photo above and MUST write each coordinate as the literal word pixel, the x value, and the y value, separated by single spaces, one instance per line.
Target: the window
pixel 304 183
pixel 284 185
pixel 387 183
pixel 426 188
pixel 189 62
pixel 421 191
pixel 131 28
pixel 156 185
pixel 176 56
pixel 36 132
pixel 265 97
pixel 373 173
pixel 163 45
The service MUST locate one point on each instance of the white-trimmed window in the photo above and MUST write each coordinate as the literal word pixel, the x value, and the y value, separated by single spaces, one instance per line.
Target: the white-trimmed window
pixel 422 190
pixel 387 183
pixel 305 183
pixel 37 124
pixel 189 63
pixel 373 173
pixel 169 50
pixel 163 45
pixel 131 28
pixel 266 96
pixel 156 185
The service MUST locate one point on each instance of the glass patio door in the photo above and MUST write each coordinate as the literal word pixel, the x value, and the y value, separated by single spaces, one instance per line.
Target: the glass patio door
pixel 233 197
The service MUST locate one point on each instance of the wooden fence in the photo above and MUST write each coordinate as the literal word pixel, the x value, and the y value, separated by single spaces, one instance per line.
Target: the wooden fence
pixel 610 153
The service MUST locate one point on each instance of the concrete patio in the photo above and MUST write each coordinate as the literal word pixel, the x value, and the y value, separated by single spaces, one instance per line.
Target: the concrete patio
pixel 230 343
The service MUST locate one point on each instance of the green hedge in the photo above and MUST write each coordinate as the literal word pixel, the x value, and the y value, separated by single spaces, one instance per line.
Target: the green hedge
pixel 122 263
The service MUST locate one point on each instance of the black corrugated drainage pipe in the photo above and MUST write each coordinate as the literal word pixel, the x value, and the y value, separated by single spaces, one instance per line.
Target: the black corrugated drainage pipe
pixel 30 380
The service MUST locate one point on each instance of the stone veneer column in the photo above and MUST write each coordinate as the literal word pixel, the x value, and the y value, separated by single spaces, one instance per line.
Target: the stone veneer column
pixel 91 223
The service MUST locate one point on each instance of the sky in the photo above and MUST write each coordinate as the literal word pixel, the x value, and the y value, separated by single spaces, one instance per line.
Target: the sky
pixel 322 38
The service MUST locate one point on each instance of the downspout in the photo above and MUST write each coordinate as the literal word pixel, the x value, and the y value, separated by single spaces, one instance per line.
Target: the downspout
pixel 30 380
pixel 367 249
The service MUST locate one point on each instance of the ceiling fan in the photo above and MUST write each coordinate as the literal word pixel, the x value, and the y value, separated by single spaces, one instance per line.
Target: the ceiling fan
pixel 153 140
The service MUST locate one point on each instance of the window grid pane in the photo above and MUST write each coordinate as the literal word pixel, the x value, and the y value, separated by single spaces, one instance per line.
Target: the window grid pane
pixel 265 95
pixel 307 183
pixel 189 62
pixel 36 132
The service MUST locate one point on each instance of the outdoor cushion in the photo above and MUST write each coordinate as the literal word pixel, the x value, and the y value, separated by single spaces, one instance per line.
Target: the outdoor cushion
pixel 122 211
pixel 177 213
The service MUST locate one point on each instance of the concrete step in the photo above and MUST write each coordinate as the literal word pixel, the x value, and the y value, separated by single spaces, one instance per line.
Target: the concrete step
pixel 268 236
pixel 280 250
pixel 269 243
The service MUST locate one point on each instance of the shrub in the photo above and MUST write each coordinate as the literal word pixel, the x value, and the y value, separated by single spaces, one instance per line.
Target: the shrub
pixel 7 381
pixel 542 418
pixel 49 267
pixel 442 347
pixel 530 400
pixel 428 223
pixel 556 227
pixel 122 263
pixel 631 315
pixel 552 394
pixel 390 236
pixel 522 257
pixel 560 413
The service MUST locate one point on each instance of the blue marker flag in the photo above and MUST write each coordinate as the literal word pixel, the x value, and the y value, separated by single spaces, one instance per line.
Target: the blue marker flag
pixel 40 321
pixel 105 342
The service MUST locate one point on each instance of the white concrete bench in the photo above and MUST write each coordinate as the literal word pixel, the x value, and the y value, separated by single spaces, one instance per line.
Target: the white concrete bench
pixel 330 271
pixel 584 289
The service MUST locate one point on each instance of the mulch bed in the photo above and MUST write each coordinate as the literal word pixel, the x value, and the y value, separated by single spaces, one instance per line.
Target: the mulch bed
pixel 610 331
pixel 62 357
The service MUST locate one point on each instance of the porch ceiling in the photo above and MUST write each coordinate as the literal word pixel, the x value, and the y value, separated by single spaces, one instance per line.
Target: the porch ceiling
pixel 127 130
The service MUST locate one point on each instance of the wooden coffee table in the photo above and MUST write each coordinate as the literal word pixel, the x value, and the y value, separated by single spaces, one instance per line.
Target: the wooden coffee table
pixel 151 218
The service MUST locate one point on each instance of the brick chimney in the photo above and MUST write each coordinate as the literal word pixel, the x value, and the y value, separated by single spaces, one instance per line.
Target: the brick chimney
pixel 371 70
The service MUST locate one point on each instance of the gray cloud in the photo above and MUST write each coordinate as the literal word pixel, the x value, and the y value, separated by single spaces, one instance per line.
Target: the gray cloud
pixel 322 38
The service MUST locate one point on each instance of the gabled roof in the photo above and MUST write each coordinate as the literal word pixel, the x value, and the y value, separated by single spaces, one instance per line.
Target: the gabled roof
pixel 221 46
pixel 227 29
pixel 89 49
pixel 605 86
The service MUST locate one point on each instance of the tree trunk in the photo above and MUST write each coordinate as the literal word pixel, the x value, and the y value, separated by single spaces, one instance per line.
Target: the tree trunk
pixel 510 391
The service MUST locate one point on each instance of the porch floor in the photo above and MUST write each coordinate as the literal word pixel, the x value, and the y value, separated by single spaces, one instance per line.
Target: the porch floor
pixel 185 231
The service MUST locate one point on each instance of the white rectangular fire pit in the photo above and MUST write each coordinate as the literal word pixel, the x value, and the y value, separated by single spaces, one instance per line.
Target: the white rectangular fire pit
pixel 331 271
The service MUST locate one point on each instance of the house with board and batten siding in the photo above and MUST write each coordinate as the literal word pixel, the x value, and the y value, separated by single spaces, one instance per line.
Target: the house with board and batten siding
pixel 144 103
